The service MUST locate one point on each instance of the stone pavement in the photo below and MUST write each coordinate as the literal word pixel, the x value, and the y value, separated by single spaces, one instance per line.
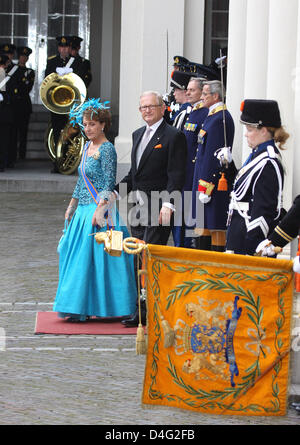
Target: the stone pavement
pixel 65 380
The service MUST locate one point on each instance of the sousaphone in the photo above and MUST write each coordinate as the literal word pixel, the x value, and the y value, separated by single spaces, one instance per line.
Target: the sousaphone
pixel 59 94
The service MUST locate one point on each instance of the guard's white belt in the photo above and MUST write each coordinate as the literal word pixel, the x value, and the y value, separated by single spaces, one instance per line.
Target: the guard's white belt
pixel 239 205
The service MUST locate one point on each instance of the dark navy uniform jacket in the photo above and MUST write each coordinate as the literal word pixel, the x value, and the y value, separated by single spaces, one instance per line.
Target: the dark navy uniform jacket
pixel 22 101
pixel 258 186
pixel 182 116
pixel 54 62
pixel 208 169
pixel 289 226
pixel 82 67
pixel 191 130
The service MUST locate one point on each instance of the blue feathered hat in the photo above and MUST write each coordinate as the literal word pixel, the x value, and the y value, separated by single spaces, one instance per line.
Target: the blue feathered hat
pixel 93 105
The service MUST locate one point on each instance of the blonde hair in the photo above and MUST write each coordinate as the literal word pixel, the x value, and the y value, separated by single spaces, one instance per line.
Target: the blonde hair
pixel 279 135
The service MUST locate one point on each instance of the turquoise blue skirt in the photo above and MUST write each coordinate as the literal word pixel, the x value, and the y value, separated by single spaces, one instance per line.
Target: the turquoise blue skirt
pixel 91 282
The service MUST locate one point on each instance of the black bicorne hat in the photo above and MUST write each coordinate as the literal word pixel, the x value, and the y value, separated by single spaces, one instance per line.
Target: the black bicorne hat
pixel 180 79
pixel 208 72
pixel 260 113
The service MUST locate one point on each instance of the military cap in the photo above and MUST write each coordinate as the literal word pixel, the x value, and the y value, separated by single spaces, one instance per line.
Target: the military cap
pixel 3 59
pixel 24 51
pixel 180 79
pixel 181 62
pixel 75 41
pixel 8 48
pixel 64 40
pixel 205 71
pixel 260 113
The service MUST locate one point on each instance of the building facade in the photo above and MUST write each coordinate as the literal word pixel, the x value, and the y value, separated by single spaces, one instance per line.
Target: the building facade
pixel 131 45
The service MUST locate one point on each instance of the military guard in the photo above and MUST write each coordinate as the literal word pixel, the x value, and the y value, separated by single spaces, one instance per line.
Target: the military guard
pixel 256 200
pixel 81 66
pixel 60 63
pixel 193 125
pixel 6 112
pixel 179 82
pixel 14 87
pixel 23 106
pixel 207 174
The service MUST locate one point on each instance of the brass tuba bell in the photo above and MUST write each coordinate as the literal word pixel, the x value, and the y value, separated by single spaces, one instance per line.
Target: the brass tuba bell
pixel 59 94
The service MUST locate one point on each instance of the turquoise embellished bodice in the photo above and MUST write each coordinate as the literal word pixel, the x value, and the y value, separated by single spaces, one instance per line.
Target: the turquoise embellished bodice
pixel 101 169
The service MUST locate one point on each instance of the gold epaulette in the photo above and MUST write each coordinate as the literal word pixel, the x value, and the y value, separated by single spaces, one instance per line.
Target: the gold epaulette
pixel 52 57
pixel 198 106
pixel 216 110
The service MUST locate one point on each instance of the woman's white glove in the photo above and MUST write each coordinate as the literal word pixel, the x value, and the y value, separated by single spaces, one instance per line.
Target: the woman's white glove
pixel 265 248
pixel 1 97
pixel 61 71
pixel 296 265
pixel 204 198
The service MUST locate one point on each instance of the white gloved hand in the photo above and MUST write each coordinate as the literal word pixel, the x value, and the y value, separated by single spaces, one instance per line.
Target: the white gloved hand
pixel 224 155
pixel 61 71
pixel 265 248
pixel 204 198
pixel 296 265
pixel 1 97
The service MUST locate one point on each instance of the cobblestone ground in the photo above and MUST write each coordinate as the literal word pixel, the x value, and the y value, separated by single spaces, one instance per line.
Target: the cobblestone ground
pixel 66 380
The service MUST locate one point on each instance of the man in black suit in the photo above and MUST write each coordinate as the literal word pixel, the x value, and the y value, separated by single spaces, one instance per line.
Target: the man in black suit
pixel 156 176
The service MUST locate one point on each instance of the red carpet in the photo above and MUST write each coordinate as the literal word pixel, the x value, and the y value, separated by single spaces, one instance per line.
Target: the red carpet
pixel 50 323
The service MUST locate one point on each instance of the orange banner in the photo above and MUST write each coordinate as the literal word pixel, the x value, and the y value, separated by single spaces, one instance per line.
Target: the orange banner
pixel 218 332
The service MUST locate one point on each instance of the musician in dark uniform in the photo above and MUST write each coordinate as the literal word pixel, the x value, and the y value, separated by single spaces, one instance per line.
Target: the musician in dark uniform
pixel 6 113
pixel 211 221
pixel 23 105
pixel 14 87
pixel 256 200
pixel 61 64
pixel 81 66
pixel 192 126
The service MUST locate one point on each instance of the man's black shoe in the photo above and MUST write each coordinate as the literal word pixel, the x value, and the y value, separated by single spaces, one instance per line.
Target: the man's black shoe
pixel 134 321
pixel 126 317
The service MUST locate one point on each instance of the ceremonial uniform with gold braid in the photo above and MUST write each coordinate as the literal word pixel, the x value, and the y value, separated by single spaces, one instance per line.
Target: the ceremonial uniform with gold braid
pixel 191 130
pixel 207 167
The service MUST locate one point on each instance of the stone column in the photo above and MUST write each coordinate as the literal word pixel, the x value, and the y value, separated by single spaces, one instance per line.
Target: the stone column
pixel 281 62
pixel 146 27
pixel 236 69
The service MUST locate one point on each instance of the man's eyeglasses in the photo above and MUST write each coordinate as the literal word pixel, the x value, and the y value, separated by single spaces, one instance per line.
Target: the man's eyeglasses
pixel 150 107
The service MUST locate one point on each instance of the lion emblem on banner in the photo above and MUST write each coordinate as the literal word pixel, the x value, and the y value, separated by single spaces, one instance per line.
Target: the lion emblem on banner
pixel 209 339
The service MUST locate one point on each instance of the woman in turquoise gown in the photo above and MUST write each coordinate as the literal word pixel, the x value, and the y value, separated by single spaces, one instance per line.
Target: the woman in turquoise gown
pixel 91 282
